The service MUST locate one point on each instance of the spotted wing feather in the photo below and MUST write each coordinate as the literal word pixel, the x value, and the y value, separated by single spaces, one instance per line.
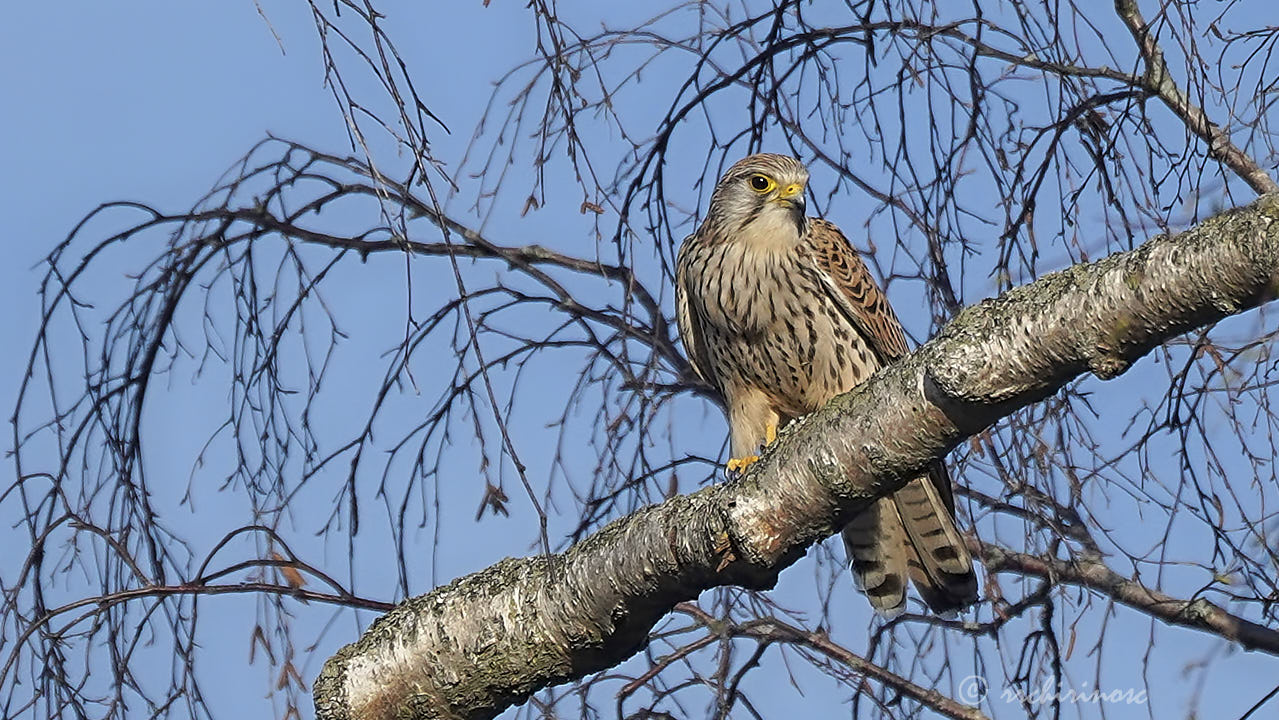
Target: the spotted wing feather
pixel 914 534
pixel 690 328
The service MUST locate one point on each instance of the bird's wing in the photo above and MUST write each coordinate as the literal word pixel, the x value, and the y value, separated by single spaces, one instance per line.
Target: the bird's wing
pixel 856 291
pixel 690 328
pixel 867 308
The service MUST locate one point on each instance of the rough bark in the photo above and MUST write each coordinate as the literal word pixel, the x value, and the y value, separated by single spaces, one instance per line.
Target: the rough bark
pixel 491 639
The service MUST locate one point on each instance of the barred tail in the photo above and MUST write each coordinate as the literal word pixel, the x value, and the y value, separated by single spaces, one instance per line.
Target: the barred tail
pixel 912 533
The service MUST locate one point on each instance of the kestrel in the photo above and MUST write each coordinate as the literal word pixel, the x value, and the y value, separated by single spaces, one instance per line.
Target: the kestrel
pixel 779 313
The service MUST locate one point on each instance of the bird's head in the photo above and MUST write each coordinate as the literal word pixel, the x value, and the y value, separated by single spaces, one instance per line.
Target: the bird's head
pixel 761 199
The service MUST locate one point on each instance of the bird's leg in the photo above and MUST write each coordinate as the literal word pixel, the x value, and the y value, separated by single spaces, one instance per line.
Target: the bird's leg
pixel 751 419
pixel 737 465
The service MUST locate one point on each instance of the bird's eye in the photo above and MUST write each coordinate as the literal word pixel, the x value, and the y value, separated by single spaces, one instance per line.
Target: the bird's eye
pixel 762 183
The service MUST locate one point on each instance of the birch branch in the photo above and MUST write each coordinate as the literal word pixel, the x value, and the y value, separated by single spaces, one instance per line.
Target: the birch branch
pixel 491 639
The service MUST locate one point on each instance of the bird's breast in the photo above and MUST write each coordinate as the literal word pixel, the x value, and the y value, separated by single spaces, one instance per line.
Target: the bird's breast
pixel 771 324
pixel 743 288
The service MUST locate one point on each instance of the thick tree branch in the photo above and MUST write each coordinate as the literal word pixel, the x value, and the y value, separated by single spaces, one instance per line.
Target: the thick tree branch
pixel 491 639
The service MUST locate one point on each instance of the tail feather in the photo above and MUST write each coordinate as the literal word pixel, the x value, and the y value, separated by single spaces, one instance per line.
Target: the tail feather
pixel 875 541
pixel 912 533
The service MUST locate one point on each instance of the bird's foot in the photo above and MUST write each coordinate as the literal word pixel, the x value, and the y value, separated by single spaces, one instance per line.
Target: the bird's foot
pixel 739 465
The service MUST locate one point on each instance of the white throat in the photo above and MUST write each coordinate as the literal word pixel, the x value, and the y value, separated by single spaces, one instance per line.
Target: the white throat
pixel 774 229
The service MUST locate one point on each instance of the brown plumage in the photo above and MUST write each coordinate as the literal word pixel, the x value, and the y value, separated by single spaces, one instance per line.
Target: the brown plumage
pixel 779 313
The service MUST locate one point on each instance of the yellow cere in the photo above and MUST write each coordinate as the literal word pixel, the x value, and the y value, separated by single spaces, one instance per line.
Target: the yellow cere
pixel 792 190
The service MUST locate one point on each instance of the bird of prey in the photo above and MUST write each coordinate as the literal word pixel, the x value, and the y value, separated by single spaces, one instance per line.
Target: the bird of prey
pixel 779 313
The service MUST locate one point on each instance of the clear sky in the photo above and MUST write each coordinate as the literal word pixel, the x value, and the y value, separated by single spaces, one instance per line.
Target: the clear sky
pixel 153 101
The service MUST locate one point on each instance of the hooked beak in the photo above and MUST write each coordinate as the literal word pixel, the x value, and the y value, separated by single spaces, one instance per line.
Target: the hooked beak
pixel 792 198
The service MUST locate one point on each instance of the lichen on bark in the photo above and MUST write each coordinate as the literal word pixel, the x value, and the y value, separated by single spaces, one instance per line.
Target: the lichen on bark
pixel 491 639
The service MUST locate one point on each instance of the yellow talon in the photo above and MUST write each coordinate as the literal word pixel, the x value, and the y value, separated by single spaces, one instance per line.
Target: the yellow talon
pixel 737 465
pixel 740 464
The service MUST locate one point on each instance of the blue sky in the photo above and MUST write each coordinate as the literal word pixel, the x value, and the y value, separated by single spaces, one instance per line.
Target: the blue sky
pixel 153 101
